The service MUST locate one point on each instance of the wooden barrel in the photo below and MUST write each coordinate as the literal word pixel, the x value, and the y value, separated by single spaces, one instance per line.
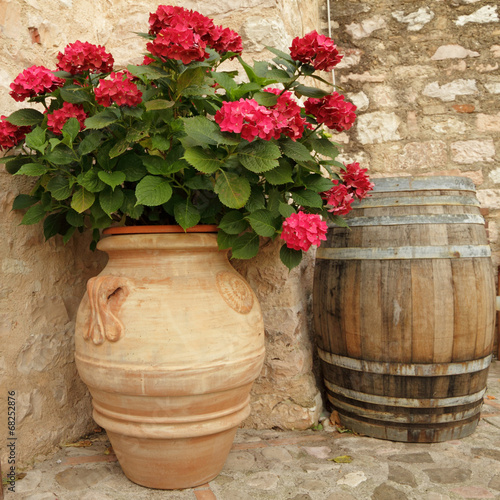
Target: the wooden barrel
pixel 404 307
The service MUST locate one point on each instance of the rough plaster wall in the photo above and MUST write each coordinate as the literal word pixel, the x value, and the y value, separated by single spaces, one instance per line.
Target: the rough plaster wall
pixel 41 283
pixel 425 77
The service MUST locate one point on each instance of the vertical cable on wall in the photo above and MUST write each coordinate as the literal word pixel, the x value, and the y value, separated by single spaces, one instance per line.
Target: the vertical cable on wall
pixel 330 34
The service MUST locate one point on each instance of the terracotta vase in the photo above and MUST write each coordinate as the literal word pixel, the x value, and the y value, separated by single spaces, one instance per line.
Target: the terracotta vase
pixel 169 339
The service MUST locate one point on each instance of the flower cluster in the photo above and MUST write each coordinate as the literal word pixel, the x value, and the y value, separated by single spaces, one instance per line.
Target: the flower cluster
pixel 34 81
pixel 185 34
pixel 316 50
pixel 11 135
pixel 332 111
pixel 57 119
pixel 119 89
pixel 83 56
pixel 180 140
pixel 302 230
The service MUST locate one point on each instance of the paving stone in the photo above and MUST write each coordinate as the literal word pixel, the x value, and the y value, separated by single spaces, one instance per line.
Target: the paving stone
pixel 80 478
pixel 263 480
pixel 495 483
pixel 318 451
pixel 341 495
pixel 448 475
pixel 313 484
pixel 30 482
pixel 487 453
pixel 301 496
pixel 401 475
pixel 240 460
pixel 388 492
pixel 412 458
pixel 353 479
pixel 41 496
pixel 473 492
pixel 275 453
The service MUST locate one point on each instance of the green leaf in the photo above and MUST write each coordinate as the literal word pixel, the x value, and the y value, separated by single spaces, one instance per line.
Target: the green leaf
pixel 156 165
pixel 25 117
pixel 290 257
pixel 241 90
pixel 285 209
pixel 324 147
pixel 200 182
pixel 317 183
pixel 15 163
pixel 69 233
pixel 32 169
pixel 82 200
pixel 90 181
pixel 186 214
pixel 202 132
pixel 282 174
pixel 60 156
pixel 295 150
pixel 203 160
pixel 252 75
pixel 75 219
pixel 132 166
pixel 119 147
pixel 101 119
pixel 36 140
pixel 147 70
pixel 111 200
pixel 22 201
pixel 262 222
pixel 279 75
pixel 233 222
pixel 281 54
pixel 266 98
pixel 310 91
pixel 190 77
pixel 153 191
pixel 259 156
pixel 74 94
pixel 158 104
pixel 160 142
pixel 245 246
pixel 256 200
pixel 224 240
pixel 71 129
pixel 59 187
pixel 130 206
pixel 307 198
pixel 112 179
pixel 34 215
pixel 89 143
pixel 338 220
pixel 232 189
pixel 54 224
pixel 224 79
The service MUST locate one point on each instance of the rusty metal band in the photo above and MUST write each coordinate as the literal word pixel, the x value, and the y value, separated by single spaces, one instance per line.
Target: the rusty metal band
pixel 412 418
pixel 404 220
pixel 393 184
pixel 406 369
pixel 412 252
pixel 421 201
pixel 405 402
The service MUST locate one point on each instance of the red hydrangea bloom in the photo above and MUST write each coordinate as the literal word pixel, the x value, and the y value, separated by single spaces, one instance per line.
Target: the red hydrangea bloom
pixel 248 118
pixel 119 89
pixel 357 180
pixel 58 117
pixel 168 16
pixel 11 135
pixel 302 230
pixel 316 50
pixel 179 42
pixel 339 198
pixel 83 56
pixel 225 40
pixel 333 111
pixel 287 114
pixel 33 81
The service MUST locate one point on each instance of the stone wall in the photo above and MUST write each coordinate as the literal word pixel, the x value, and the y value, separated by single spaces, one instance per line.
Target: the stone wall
pixel 425 77
pixel 42 283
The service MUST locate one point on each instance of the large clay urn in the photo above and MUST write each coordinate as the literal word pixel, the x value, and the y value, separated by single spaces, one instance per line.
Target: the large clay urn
pixel 169 339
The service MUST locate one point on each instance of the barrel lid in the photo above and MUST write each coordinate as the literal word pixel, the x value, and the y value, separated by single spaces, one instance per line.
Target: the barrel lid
pixel 394 184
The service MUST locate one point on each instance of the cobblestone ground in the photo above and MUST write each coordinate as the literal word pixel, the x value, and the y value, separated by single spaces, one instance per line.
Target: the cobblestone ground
pixel 297 466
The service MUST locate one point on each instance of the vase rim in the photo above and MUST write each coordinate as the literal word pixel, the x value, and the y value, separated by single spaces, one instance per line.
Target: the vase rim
pixel 160 229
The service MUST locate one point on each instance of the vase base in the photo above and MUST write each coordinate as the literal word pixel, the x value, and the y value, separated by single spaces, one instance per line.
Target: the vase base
pixel 172 464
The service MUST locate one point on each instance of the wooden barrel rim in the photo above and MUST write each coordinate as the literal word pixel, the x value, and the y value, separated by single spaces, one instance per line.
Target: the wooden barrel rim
pixel 391 184
pixel 404 220
pixel 403 201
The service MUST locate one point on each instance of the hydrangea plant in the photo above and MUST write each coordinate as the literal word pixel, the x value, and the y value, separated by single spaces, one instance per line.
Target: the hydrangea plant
pixel 177 139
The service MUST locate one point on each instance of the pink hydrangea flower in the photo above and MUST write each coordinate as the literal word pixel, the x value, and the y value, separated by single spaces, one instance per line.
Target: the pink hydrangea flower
pixel 83 56
pixel 169 16
pixel 333 111
pixel 357 180
pixel 248 118
pixel 57 119
pixel 119 90
pixel 301 231
pixel 11 135
pixel 339 198
pixel 225 40
pixel 316 50
pixel 178 42
pixel 33 81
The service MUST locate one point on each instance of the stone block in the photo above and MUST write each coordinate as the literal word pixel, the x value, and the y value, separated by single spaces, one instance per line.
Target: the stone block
pixel 493 87
pixel 378 127
pixel 365 77
pixel 488 123
pixel 474 151
pixel 453 52
pixel 448 91
pixel 257 32
pixel 383 96
pixel 486 14
pixel 415 20
pixel 489 198
pixel 366 27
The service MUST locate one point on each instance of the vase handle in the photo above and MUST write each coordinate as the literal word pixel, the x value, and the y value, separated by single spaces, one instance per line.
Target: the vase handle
pixel 106 296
